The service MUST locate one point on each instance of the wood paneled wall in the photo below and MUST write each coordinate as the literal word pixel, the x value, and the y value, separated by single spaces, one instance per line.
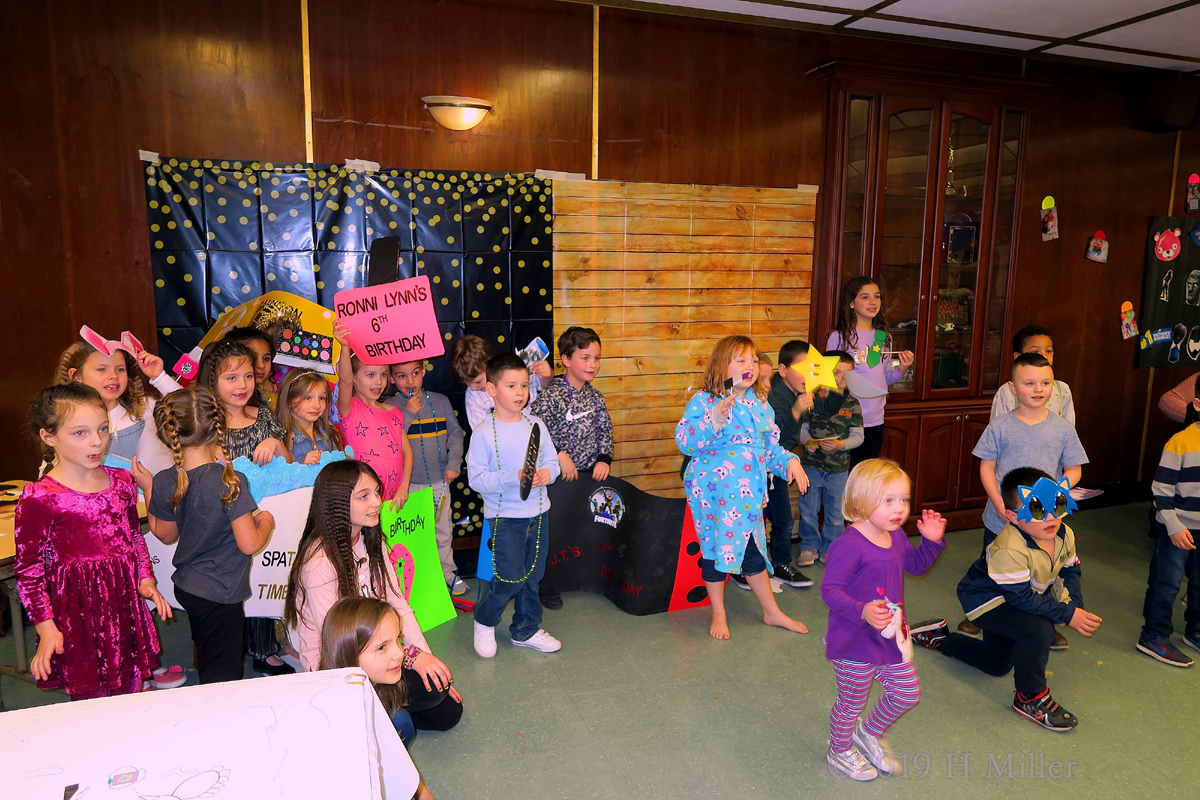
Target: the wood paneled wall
pixel 663 271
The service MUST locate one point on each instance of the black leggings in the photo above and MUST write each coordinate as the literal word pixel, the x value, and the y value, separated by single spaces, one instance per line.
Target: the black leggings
pixel 871 446
pixel 1012 640
pixel 217 630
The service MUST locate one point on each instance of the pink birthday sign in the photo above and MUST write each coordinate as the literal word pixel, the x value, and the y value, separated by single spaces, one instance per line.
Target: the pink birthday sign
pixel 391 323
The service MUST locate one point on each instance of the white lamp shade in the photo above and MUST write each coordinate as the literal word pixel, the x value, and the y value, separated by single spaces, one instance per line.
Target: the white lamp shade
pixel 457 113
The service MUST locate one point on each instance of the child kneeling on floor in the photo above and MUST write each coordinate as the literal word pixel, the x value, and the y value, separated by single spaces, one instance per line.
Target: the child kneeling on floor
pixel 520 528
pixel 868 636
pixel 1027 580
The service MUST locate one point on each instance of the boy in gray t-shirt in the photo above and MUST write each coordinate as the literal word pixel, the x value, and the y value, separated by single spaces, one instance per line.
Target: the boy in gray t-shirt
pixel 1030 436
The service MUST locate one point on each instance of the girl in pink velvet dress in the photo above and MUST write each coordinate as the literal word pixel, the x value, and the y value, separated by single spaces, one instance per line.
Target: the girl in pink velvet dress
pixel 82 565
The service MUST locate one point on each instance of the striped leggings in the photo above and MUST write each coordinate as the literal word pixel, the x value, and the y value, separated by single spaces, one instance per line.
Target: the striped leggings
pixel 901 691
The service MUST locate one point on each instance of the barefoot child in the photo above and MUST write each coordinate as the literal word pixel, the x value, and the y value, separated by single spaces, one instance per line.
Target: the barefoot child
pixel 868 637
pixel 730 434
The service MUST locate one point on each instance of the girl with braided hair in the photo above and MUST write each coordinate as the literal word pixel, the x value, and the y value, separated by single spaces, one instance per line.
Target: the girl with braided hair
pixel 342 554
pixel 82 566
pixel 129 387
pixel 250 431
pixel 206 501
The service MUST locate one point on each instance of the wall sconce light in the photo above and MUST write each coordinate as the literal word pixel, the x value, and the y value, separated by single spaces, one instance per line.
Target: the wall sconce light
pixel 457 113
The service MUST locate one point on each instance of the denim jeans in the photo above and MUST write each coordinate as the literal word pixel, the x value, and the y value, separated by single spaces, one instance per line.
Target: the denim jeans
pixel 518 550
pixel 779 512
pixel 1169 565
pixel 824 488
pixel 752 564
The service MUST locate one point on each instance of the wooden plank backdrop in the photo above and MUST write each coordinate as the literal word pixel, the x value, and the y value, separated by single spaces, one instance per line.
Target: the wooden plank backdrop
pixel 662 271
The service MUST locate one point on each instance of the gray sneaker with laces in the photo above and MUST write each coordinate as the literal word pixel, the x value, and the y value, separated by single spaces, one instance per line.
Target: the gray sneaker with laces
pixel 875 748
pixel 851 763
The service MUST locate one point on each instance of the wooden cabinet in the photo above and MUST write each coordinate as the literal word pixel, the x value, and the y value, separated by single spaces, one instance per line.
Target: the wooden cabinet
pixel 923 173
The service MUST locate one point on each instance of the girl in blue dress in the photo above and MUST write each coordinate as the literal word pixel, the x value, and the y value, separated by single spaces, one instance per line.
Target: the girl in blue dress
pixel 729 432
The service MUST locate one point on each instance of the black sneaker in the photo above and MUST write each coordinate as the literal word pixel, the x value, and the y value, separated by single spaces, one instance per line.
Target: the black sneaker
pixel 1045 712
pixel 1192 642
pixel 790 576
pixel 267 668
pixel 552 601
pixel 930 633
pixel 1165 651
pixel 740 581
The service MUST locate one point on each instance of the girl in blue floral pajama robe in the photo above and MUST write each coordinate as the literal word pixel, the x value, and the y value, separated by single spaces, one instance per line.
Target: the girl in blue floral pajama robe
pixel 732 440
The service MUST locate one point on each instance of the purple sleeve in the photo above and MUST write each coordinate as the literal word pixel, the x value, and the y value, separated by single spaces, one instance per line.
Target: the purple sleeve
pixel 842 561
pixel 918 561
pixel 34 519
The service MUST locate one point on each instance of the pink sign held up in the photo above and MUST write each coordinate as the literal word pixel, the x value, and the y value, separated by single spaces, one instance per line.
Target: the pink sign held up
pixel 391 323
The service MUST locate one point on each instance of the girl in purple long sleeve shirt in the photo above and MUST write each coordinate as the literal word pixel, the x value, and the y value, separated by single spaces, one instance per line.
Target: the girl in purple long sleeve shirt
pixel 868 637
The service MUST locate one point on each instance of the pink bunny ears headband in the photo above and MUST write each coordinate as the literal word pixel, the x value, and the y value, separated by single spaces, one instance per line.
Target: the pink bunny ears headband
pixel 129 343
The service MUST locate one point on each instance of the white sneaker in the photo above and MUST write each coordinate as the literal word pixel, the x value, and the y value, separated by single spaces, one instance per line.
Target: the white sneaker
pixel 540 641
pixel 485 640
pixel 850 763
pixel 459 587
pixel 875 748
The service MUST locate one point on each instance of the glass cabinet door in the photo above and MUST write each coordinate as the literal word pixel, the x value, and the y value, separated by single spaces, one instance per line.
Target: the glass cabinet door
pixel 854 214
pixel 961 251
pixel 900 230
pixel 1006 209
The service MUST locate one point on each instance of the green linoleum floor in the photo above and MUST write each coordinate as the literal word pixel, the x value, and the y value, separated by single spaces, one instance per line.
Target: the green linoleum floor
pixel 651 707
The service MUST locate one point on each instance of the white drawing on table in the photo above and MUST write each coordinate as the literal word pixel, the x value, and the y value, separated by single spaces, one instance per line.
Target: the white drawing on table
pixel 201 784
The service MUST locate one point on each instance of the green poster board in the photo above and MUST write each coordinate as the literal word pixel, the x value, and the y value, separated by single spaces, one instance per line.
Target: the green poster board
pixel 412 549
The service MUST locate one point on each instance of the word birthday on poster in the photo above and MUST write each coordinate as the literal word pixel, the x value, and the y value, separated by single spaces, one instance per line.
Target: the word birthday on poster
pixel 391 323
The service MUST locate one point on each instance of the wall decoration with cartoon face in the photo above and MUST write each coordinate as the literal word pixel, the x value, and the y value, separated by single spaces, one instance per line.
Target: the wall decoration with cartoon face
pixel 1193 343
pixel 1191 289
pixel 1165 293
pixel 1045 498
pixel 1166 244
pixel 1178 334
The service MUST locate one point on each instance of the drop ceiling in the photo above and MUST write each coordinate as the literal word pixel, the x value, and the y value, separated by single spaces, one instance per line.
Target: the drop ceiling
pixel 1148 33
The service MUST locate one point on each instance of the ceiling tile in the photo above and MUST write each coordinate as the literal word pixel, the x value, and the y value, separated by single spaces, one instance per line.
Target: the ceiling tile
pixel 758 10
pixel 943 34
pixel 1177 33
pixel 1039 17
pixel 1076 51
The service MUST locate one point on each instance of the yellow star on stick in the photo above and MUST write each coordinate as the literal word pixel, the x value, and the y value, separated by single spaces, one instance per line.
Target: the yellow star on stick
pixel 817 370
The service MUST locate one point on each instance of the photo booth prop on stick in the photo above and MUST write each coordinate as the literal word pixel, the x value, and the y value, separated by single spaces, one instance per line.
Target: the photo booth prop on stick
pixel 412 549
pixel 391 323
pixel 611 538
pixel 1171 299
pixel 314 734
pixel 286 491
pixel 223 232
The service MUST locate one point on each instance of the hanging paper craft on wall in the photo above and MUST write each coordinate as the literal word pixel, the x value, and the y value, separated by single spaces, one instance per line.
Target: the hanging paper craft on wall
pixel 1193 193
pixel 1192 348
pixel 391 323
pixel 1178 334
pixel 1049 219
pixel 1129 327
pixel 412 549
pixel 1152 338
pixel 1191 288
pixel 1167 245
pixel 1164 292
pixel 1097 248
pixel 817 370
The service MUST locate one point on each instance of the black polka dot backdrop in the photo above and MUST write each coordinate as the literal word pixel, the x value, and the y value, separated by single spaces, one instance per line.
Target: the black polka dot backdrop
pixel 224 232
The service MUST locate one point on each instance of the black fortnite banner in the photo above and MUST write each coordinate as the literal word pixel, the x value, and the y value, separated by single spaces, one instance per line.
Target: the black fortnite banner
pixel 1170 319
pixel 611 538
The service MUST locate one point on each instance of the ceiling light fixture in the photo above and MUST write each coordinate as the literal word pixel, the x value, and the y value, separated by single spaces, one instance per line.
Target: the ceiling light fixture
pixel 457 113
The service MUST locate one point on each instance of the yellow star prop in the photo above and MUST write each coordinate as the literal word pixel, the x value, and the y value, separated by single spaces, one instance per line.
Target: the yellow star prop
pixel 817 370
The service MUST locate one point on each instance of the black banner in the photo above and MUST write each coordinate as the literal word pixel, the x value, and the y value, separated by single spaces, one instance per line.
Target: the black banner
pixel 1170 319
pixel 613 539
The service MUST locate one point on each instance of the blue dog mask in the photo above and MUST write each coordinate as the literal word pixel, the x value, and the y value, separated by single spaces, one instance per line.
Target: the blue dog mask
pixel 1044 498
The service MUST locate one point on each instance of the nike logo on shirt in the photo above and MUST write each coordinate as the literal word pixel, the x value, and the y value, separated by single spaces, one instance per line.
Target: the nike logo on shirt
pixel 572 417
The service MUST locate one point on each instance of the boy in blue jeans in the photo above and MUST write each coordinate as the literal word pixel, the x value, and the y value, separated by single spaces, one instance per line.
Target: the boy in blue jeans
pixel 792 405
pixel 828 440
pixel 520 529
pixel 1176 525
